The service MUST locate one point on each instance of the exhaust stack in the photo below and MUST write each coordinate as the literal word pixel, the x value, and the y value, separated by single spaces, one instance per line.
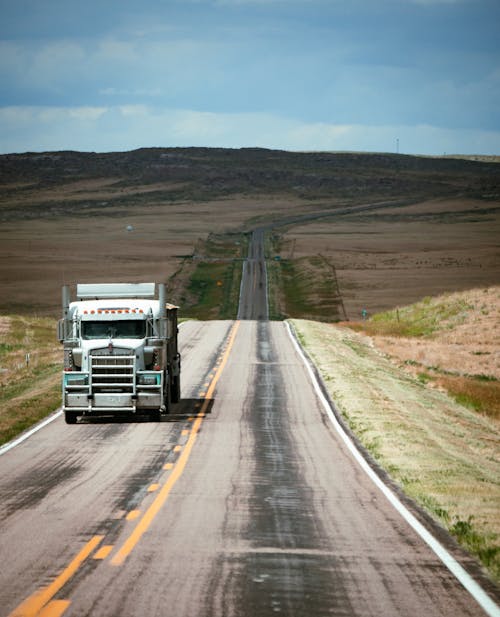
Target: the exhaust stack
pixel 162 300
pixel 65 301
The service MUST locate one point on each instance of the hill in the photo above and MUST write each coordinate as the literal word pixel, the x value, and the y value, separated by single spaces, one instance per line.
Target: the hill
pixel 422 225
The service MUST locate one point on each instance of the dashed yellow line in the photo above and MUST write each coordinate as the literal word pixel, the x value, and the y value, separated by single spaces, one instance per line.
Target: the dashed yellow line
pixel 104 551
pixel 133 514
pixel 150 514
pixel 54 609
pixel 39 601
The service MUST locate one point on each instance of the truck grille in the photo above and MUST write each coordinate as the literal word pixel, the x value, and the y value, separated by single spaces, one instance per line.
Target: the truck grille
pixel 112 373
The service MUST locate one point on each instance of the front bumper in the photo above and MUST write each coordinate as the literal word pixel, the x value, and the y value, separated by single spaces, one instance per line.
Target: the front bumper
pixel 84 398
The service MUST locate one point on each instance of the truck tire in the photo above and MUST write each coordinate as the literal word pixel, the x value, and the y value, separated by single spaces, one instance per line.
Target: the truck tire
pixel 70 417
pixel 167 394
pixel 155 415
pixel 175 389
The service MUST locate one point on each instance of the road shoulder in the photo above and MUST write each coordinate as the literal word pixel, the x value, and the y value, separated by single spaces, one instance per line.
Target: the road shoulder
pixel 441 454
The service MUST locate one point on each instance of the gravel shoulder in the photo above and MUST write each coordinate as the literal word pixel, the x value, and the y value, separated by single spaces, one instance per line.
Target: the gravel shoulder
pixel 442 454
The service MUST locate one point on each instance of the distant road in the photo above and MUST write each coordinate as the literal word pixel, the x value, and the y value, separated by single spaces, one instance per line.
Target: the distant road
pixel 245 503
pixel 253 297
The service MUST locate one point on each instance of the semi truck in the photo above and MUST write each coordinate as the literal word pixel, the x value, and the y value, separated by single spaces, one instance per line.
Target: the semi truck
pixel 121 352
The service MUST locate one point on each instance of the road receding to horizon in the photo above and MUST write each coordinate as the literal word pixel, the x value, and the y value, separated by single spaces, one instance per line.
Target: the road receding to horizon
pixel 245 501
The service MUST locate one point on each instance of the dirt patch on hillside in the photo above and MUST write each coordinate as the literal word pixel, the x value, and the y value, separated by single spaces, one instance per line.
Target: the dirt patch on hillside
pixel 468 348
pixel 449 342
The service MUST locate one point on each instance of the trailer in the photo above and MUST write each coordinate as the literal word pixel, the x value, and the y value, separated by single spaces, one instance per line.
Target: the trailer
pixel 121 351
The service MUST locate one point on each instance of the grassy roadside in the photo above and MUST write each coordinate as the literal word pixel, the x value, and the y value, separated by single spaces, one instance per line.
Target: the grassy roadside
pixel 442 453
pixel 304 287
pixel 448 342
pixel 207 286
pixel 29 385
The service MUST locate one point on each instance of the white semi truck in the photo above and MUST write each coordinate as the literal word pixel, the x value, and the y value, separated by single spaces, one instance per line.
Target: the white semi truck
pixel 120 351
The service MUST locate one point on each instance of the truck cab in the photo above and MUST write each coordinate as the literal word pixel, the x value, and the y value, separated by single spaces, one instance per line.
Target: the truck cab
pixel 120 351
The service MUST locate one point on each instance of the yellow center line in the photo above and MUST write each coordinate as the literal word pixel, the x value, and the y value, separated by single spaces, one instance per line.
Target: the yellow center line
pixel 133 514
pixel 148 517
pixel 33 605
pixel 41 603
pixel 103 552
pixel 54 609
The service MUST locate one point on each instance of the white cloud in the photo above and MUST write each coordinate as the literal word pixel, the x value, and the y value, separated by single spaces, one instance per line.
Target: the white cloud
pixel 127 127
pixel 134 110
pixel 87 114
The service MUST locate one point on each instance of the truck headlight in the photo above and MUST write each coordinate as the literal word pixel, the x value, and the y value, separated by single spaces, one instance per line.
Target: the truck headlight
pixel 75 379
pixel 148 380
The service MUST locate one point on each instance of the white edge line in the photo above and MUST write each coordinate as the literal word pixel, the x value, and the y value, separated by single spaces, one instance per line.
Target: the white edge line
pixel 15 442
pixel 476 591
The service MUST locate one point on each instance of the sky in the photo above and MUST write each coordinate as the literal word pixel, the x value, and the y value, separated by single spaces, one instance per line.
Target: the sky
pixel 408 76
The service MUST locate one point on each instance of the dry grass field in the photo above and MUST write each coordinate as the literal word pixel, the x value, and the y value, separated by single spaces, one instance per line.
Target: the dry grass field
pixel 458 332
pixel 398 255
pixel 30 372
pixel 38 255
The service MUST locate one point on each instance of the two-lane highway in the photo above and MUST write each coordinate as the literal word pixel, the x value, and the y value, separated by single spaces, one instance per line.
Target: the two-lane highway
pixel 245 503
pixel 253 293
pixel 259 509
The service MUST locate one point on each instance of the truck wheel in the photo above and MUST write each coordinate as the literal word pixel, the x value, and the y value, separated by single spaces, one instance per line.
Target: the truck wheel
pixel 175 389
pixel 167 397
pixel 70 417
pixel 155 415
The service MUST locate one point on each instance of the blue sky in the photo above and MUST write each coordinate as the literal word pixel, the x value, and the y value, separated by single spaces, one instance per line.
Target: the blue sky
pixel 421 76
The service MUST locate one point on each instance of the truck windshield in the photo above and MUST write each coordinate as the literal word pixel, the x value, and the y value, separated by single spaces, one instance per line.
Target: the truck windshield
pixel 133 328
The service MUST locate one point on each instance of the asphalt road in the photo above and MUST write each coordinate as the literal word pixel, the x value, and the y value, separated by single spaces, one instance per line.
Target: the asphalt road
pixel 253 294
pixel 244 503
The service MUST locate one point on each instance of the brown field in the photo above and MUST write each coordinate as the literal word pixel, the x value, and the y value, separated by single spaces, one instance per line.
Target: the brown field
pixel 396 256
pixel 39 255
pixel 64 219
